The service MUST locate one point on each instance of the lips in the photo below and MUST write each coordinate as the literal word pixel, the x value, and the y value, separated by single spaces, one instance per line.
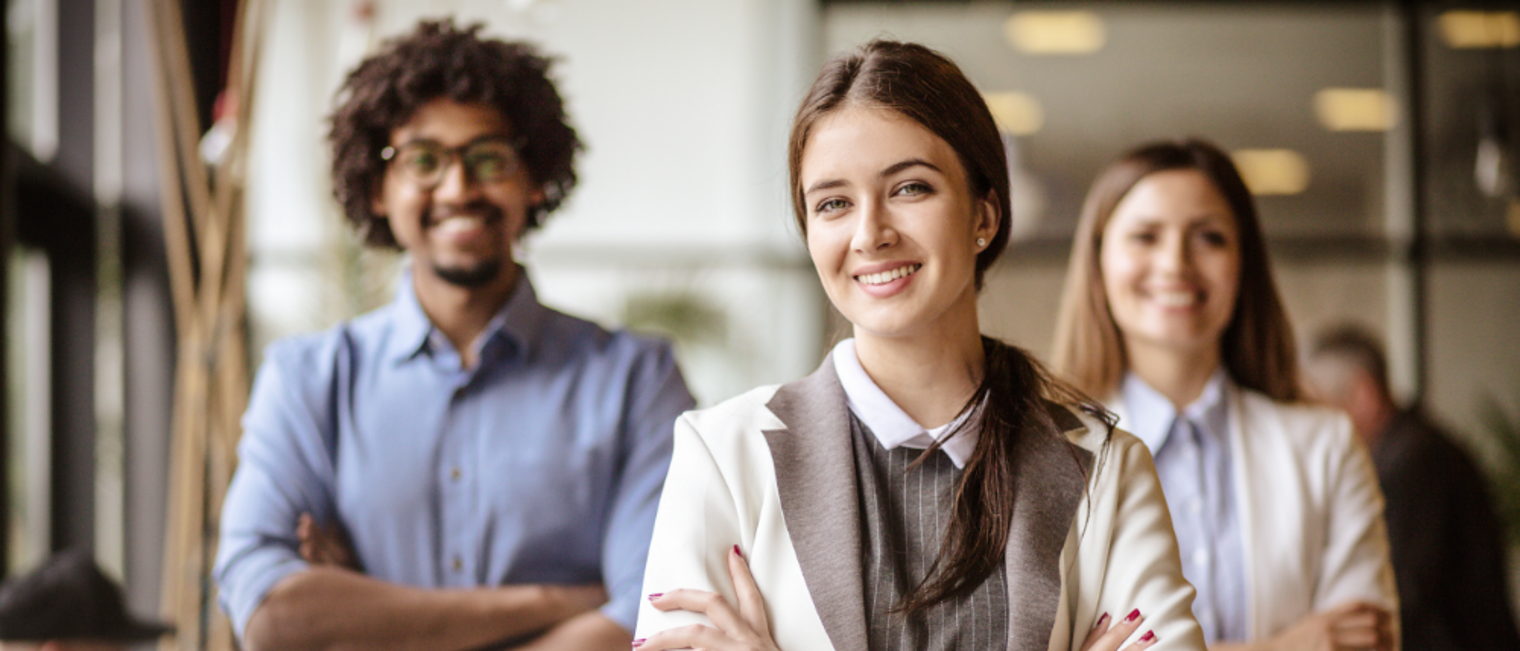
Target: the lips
pixel 884 277
pixel 1177 298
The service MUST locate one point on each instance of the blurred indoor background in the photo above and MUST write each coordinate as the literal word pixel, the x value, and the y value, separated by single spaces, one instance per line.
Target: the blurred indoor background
pixel 1381 140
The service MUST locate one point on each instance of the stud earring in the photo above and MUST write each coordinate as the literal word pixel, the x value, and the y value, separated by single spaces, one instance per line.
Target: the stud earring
pixel 981 242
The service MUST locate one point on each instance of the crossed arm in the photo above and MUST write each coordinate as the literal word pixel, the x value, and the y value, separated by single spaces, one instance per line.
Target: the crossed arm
pixel 333 606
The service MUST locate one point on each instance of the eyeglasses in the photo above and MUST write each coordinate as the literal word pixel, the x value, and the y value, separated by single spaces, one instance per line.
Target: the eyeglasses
pixel 425 162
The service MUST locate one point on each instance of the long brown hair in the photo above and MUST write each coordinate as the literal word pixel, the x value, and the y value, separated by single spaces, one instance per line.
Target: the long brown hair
pixel 924 86
pixel 1257 346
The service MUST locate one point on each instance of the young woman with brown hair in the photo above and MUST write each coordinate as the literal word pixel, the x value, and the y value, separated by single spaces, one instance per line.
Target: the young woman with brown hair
pixel 1171 313
pixel 927 487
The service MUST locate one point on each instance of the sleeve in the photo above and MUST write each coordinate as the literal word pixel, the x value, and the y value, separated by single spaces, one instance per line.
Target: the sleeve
pixel 1355 565
pixel 284 469
pixel 658 396
pixel 696 525
pixel 1140 564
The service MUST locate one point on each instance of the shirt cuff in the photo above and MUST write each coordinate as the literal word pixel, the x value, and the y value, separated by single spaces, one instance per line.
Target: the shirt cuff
pixel 624 611
pixel 241 600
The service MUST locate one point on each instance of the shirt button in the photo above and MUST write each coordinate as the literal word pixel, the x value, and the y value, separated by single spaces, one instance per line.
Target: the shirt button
pixel 458 564
pixel 1201 557
pixel 456 473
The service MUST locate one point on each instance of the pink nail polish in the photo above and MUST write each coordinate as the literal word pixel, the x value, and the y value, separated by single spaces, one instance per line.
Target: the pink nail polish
pixel 1102 619
pixel 656 595
pixel 639 642
pixel 737 552
pixel 1133 615
pixel 1149 635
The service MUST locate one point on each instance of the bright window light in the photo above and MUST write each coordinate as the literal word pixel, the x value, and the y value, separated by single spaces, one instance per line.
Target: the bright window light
pixel 1016 113
pixel 1470 30
pixel 1355 109
pixel 1055 32
pixel 1272 171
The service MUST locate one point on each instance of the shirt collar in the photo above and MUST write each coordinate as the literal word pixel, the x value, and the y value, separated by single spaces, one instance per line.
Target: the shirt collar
pixel 517 325
pixel 1151 414
pixel 892 426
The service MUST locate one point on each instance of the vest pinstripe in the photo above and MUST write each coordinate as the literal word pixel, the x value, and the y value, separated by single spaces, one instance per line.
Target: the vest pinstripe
pixel 903 519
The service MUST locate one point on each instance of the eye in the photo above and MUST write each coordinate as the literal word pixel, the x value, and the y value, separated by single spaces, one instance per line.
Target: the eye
pixel 490 161
pixel 421 160
pixel 833 204
pixel 1142 237
pixel 914 188
pixel 1214 238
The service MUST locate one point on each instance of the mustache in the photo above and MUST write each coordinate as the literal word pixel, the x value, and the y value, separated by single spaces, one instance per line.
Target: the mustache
pixel 483 209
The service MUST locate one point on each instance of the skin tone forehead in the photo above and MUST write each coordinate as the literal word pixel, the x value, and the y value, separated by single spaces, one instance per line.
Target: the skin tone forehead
pixel 1185 195
pixel 447 122
pixel 834 152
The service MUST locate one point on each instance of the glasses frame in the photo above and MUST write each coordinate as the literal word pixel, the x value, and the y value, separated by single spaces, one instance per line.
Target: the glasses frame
pixel 452 155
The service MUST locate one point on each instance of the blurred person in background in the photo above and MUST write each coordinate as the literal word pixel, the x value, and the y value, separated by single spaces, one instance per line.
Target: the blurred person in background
pixel 463 467
pixel 68 604
pixel 927 488
pixel 1171 314
pixel 1448 551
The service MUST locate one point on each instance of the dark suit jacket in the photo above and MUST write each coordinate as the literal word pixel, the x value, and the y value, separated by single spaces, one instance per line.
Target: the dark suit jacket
pixel 1448 555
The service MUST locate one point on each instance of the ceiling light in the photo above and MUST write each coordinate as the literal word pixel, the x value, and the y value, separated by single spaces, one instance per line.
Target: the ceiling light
pixel 1272 171
pixel 1055 32
pixel 1355 109
pixel 1015 113
pixel 1466 30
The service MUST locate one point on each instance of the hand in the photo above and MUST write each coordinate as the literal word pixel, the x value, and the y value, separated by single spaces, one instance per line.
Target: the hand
pixel 746 629
pixel 1102 637
pixel 326 544
pixel 1355 625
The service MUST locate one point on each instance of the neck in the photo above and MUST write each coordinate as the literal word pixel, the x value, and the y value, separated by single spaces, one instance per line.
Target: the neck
pixel 930 375
pixel 462 313
pixel 1180 375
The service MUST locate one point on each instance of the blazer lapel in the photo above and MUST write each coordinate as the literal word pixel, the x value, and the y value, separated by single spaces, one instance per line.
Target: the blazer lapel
pixel 1050 480
pixel 815 476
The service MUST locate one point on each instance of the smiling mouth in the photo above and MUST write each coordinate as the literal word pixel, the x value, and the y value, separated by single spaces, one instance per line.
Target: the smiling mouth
pixel 888 276
pixel 1177 299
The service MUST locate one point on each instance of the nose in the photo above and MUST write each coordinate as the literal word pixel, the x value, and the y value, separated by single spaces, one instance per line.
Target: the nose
pixel 873 230
pixel 456 186
pixel 1173 255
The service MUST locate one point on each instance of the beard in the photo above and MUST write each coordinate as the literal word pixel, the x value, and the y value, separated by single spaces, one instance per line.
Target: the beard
pixel 471 276
pixel 476 274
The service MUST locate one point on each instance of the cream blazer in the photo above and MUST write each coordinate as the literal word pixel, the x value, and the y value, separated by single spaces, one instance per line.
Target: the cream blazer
pixel 1310 511
pixel 772 471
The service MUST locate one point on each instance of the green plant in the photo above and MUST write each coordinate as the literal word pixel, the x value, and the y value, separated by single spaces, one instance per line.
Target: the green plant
pixel 1504 477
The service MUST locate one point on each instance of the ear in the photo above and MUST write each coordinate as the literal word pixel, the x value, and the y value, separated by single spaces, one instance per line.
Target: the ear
pixel 377 202
pixel 988 217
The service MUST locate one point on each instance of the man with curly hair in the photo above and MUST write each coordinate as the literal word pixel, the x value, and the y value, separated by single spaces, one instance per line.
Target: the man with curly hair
pixel 462 468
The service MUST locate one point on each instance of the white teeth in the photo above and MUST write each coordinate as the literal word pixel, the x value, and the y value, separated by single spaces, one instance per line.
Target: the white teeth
pixel 1175 299
pixel 459 223
pixel 888 276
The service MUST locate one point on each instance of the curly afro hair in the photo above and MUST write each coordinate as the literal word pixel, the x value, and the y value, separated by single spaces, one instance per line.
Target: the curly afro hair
pixel 439 60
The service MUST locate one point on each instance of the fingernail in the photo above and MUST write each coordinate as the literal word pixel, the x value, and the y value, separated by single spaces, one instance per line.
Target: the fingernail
pixel 1149 635
pixel 1101 619
pixel 737 552
pixel 639 642
pixel 654 596
pixel 1133 615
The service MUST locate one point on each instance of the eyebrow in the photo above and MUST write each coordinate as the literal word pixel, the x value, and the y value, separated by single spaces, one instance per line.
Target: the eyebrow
pixel 891 169
pixel 473 141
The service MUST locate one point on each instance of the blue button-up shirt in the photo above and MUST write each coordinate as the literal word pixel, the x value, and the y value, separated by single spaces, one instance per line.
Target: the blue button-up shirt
pixel 1192 452
pixel 542 464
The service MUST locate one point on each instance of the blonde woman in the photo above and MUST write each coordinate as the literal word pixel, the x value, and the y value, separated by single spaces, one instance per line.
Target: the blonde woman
pixel 1170 312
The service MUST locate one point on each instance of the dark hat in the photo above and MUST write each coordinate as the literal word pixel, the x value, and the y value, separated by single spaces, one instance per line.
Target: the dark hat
pixel 69 598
